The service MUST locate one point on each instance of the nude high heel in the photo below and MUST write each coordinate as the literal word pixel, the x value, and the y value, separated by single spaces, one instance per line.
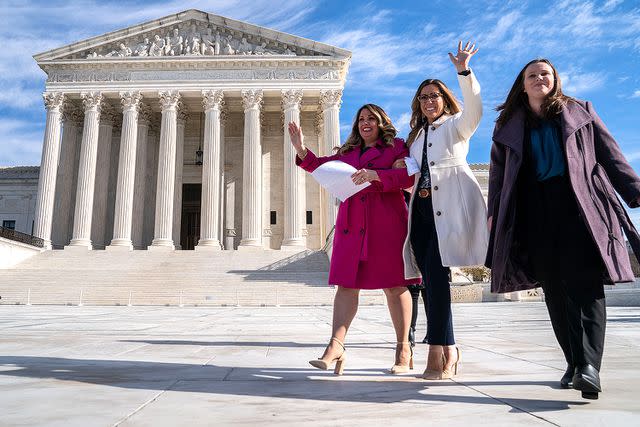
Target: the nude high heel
pixel 339 361
pixel 402 369
pixel 445 374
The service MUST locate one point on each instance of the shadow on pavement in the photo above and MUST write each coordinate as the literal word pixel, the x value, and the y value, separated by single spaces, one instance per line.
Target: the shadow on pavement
pixel 272 382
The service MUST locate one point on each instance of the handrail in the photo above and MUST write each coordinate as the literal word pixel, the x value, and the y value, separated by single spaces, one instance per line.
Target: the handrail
pixel 17 236
pixel 328 240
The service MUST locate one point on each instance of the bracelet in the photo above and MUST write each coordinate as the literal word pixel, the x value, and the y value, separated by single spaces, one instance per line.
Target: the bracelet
pixel 464 73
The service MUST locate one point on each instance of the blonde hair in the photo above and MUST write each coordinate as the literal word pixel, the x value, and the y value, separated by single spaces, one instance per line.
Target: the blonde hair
pixel 386 129
pixel 451 106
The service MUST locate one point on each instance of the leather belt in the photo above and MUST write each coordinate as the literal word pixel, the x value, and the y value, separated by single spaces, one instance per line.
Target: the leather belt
pixel 424 193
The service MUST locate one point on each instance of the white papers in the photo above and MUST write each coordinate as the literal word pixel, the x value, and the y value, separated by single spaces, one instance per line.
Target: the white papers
pixel 335 177
pixel 412 166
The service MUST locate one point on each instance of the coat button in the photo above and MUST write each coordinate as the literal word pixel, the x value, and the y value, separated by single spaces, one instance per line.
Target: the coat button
pixel 432 163
pixel 345 231
pixel 433 128
pixel 362 231
pixel 438 213
pixel 435 188
pixel 369 164
pixel 362 198
pixel 429 144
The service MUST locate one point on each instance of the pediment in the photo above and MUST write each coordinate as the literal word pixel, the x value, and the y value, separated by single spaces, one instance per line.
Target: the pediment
pixel 191 34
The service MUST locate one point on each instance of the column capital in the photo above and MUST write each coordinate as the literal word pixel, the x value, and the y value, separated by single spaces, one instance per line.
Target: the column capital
pixel 224 116
pixel 53 100
pixel 107 113
pixel 91 101
pixel 212 99
pixel 252 99
pixel 145 115
pixel 318 122
pixel 130 100
pixel 169 100
pixel 72 113
pixel 183 113
pixel 330 98
pixel 291 98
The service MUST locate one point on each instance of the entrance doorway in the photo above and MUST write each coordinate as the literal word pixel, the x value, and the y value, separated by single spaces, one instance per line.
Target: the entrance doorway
pixel 190 223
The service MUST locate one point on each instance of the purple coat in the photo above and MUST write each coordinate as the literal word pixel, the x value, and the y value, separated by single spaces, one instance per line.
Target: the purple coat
pixel 596 168
pixel 372 224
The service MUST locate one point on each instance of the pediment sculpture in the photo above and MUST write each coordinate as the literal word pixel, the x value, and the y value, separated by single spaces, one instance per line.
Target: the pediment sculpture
pixel 196 40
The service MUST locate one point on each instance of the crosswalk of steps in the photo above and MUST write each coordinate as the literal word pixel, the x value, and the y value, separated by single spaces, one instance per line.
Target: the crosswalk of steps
pixel 189 278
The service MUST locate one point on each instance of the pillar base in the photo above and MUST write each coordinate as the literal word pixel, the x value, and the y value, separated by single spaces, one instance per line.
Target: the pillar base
pixel 208 245
pixel 161 244
pixel 120 245
pixel 293 248
pixel 250 248
pixel 80 243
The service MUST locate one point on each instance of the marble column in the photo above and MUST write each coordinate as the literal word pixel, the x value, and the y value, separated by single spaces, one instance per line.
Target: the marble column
pixel 293 198
pixel 210 211
pixel 252 171
pixel 182 116
pixel 87 171
pixel 330 101
pixel 223 177
pixel 53 102
pixel 162 234
pixel 72 118
pixel 325 227
pixel 140 180
pixel 123 214
pixel 103 158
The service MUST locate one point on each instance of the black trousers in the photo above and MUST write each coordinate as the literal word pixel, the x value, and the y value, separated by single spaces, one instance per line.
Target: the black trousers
pixel 415 291
pixel 578 315
pixel 435 277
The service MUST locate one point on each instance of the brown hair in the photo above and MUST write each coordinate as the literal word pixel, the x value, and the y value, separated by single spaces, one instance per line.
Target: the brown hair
pixel 386 129
pixel 451 106
pixel 518 99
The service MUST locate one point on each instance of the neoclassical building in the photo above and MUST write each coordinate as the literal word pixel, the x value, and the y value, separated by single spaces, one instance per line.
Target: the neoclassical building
pixel 170 134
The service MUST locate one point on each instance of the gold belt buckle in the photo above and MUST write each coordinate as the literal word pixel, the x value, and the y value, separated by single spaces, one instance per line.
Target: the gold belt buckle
pixel 423 193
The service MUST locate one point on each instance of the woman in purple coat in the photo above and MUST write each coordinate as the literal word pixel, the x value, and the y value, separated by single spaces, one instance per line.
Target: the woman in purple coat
pixel 370 230
pixel 554 218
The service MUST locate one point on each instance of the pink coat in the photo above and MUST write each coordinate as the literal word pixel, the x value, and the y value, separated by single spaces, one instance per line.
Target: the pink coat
pixel 372 224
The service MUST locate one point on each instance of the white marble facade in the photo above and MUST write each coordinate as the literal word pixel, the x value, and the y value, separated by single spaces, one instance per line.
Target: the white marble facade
pixel 127 113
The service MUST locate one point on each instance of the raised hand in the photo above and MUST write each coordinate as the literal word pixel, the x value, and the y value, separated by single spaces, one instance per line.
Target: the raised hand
pixel 461 60
pixel 297 139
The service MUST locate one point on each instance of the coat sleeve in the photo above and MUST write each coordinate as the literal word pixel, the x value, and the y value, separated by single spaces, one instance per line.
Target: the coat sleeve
pixel 311 161
pixel 622 176
pixel 496 178
pixel 467 122
pixel 394 179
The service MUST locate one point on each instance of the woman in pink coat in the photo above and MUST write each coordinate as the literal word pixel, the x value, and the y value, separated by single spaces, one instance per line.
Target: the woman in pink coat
pixel 370 230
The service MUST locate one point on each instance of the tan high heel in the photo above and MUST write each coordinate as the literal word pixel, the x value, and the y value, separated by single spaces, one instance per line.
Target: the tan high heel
pixel 402 369
pixel 445 374
pixel 339 361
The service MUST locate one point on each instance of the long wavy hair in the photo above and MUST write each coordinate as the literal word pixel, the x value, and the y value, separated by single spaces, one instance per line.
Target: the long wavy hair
pixel 518 99
pixel 386 129
pixel 451 106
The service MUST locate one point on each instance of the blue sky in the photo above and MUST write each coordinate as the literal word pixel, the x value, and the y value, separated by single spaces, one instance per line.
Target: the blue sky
pixel 594 44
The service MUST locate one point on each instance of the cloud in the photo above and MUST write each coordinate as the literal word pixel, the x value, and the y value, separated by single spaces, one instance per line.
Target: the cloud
pixel 21 142
pixel 402 124
pixel 636 94
pixel 578 83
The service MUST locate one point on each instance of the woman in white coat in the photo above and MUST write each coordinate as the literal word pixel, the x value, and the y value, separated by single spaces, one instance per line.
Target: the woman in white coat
pixel 447 211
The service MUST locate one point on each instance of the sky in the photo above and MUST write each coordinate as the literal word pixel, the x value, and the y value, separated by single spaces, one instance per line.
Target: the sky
pixel 595 45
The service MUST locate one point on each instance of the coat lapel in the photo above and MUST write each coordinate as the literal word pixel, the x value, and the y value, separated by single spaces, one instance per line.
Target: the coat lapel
pixel 511 133
pixel 572 118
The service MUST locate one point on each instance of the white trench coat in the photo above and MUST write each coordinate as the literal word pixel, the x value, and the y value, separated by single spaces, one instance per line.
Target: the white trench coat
pixel 459 208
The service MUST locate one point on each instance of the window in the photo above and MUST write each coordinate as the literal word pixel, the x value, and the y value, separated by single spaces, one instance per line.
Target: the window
pixel 309 217
pixel 273 217
pixel 10 224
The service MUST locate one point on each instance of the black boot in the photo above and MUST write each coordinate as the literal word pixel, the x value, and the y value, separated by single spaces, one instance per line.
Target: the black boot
pixel 587 380
pixel 412 337
pixel 565 381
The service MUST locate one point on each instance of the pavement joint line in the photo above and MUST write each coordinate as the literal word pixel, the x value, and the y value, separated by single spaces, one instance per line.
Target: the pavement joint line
pixel 533 362
pixel 145 404
pixel 122 353
pixel 506 403
pixel 226 377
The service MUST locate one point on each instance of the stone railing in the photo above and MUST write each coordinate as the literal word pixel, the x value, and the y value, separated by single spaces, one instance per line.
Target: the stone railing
pixel 17 236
